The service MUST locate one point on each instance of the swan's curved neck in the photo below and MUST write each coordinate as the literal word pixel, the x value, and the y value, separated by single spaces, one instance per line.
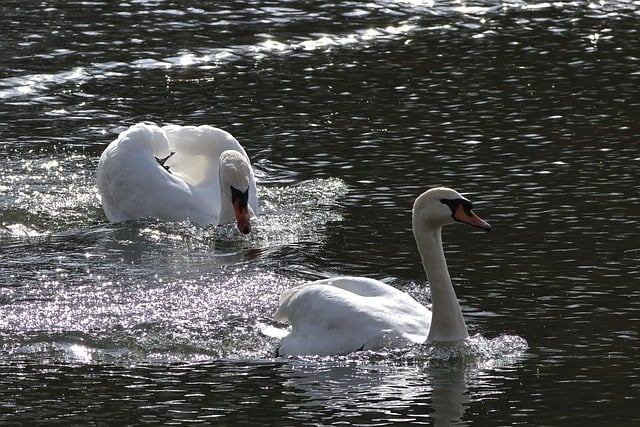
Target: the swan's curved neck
pixel 447 322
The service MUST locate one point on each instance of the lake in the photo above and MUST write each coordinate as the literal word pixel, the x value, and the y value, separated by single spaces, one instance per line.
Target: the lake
pixel 348 110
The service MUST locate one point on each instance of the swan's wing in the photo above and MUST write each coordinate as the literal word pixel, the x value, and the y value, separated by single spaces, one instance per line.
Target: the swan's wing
pixel 327 319
pixel 191 143
pixel 133 184
pixel 195 156
pixel 201 140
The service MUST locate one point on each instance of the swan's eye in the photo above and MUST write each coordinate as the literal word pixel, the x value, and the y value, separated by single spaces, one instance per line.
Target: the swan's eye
pixel 453 204
pixel 238 196
pixel 467 206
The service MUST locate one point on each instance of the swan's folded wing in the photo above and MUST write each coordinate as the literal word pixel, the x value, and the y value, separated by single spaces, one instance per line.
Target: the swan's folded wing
pixel 329 319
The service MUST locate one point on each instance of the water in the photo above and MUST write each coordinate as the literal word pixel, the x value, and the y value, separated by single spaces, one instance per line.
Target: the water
pixel 348 110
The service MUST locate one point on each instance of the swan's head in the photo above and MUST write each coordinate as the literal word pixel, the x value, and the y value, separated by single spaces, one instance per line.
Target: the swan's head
pixel 235 172
pixel 441 206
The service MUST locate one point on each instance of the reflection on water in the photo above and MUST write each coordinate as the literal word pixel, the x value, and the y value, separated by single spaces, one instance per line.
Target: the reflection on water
pixel 349 110
pixel 428 385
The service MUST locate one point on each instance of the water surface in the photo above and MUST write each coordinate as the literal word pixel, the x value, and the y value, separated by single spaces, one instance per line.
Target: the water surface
pixel 348 110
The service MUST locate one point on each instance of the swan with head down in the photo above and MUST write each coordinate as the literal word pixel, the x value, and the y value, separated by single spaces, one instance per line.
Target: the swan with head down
pixel 341 315
pixel 176 173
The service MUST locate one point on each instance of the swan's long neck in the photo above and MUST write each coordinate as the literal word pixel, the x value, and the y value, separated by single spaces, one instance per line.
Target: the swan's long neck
pixel 447 323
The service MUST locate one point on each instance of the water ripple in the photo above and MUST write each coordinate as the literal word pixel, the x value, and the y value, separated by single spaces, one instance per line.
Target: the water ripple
pixel 528 108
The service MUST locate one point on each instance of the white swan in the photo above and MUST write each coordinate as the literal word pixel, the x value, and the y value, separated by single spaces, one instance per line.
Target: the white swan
pixel 345 314
pixel 177 173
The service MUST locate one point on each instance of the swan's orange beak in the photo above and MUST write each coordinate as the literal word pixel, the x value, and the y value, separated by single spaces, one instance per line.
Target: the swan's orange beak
pixel 468 217
pixel 243 218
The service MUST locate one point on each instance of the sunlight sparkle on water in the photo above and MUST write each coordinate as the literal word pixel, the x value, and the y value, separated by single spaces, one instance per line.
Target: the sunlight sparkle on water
pixel 417 3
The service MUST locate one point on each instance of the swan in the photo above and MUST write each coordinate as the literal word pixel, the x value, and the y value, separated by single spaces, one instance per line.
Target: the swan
pixel 177 173
pixel 340 315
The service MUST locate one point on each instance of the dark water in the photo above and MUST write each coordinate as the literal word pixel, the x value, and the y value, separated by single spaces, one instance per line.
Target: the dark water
pixel 349 110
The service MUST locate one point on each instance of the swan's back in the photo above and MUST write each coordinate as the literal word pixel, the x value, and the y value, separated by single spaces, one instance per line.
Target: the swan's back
pixel 345 314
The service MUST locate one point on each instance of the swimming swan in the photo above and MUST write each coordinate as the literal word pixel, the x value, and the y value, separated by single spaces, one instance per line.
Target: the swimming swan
pixel 177 173
pixel 345 314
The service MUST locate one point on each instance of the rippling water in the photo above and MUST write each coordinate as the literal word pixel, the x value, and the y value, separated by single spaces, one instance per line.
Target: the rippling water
pixel 348 110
